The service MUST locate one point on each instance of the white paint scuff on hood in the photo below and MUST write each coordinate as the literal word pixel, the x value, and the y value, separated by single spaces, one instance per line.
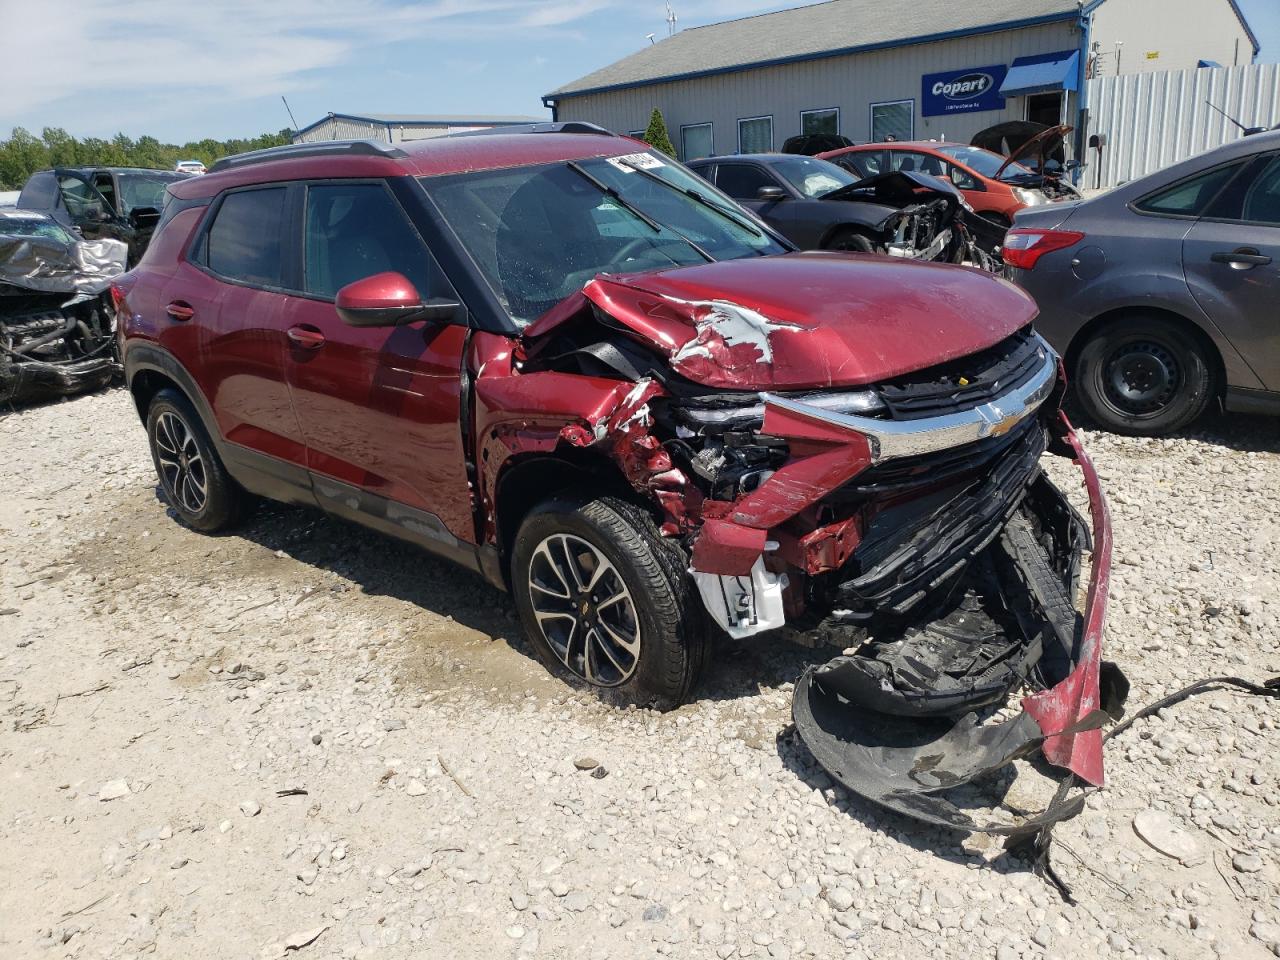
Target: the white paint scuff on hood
pixel 734 324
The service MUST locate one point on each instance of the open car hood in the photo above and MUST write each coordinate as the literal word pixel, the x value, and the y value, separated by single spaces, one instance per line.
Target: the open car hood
pixel 897 188
pixel 804 320
pixel 1043 143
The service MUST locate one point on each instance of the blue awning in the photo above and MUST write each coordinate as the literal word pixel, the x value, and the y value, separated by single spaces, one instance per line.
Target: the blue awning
pixel 1208 63
pixel 1042 74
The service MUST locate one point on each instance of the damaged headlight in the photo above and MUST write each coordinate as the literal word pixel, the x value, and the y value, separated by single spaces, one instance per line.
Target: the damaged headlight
pixel 717 418
pixel 1032 198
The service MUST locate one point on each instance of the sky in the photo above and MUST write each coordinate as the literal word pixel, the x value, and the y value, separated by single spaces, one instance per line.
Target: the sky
pixel 183 71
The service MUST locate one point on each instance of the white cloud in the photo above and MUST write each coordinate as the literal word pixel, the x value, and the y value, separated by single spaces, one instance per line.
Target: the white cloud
pixel 146 60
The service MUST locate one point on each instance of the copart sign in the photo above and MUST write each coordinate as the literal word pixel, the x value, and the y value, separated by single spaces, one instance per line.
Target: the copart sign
pixel 963 91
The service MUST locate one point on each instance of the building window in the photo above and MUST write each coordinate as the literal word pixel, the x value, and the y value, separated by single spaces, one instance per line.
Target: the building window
pixel 893 121
pixel 820 121
pixel 696 141
pixel 755 135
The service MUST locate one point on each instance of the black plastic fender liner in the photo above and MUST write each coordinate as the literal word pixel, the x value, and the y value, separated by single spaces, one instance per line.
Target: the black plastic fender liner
pixel 905 767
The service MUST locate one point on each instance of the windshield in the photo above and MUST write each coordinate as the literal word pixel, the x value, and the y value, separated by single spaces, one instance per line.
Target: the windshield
pixel 34 227
pixel 814 178
pixel 145 189
pixel 984 161
pixel 539 233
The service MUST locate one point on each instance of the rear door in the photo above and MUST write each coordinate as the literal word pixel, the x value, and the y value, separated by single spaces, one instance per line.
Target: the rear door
pixel 225 316
pixel 1231 258
pixel 380 407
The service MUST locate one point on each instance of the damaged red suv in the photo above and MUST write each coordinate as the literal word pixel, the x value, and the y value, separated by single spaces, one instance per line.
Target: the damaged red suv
pixel 565 362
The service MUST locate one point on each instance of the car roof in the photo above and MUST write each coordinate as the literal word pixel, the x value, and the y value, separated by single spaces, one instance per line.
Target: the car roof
pixel 435 156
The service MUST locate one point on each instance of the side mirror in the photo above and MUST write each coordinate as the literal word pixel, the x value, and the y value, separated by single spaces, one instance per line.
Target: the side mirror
pixel 388 300
pixel 96 213
pixel 143 218
pixel 770 194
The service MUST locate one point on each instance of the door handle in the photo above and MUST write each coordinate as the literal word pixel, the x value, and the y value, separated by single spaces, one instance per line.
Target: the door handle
pixel 1242 258
pixel 308 338
pixel 180 310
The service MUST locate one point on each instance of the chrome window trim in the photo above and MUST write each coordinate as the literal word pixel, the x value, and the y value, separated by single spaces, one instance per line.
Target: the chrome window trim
pixel 893 439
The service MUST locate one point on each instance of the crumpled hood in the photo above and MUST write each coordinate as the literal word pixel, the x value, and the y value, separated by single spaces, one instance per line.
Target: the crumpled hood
pixel 809 320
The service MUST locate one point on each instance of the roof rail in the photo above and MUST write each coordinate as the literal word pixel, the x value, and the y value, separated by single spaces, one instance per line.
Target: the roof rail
pixel 562 126
pixel 317 148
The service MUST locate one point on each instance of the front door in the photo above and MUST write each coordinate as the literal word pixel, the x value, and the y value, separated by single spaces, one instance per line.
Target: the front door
pixel 1231 258
pixel 380 407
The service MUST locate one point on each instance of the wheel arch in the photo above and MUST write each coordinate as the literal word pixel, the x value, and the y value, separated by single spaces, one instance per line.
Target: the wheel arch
pixel 528 479
pixel 1212 353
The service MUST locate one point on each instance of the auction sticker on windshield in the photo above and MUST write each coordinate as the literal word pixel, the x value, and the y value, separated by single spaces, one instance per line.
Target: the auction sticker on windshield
pixel 628 163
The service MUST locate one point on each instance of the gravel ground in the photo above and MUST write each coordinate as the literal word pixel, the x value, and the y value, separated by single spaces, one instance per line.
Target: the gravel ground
pixel 167 697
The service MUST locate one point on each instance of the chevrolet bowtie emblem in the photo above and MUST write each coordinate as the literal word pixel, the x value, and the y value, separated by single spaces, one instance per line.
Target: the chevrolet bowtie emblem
pixel 1002 426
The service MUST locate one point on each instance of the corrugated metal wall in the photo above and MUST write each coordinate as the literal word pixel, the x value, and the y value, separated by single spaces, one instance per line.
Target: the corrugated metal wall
pixel 340 128
pixel 852 83
pixel 1154 119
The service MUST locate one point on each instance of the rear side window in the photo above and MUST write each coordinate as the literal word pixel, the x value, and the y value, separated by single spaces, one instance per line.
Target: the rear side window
pixel 1190 197
pixel 1253 197
pixel 356 230
pixel 742 180
pixel 246 237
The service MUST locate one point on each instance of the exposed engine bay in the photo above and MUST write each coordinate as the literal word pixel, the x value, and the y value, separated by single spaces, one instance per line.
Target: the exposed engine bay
pixel 924 218
pixel 56 318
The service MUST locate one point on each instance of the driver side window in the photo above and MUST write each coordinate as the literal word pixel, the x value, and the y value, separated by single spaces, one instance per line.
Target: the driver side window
pixel 356 230
pixel 79 197
pixel 961 178
pixel 742 181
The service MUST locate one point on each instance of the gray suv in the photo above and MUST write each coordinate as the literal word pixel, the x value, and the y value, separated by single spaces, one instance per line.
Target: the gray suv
pixel 1164 294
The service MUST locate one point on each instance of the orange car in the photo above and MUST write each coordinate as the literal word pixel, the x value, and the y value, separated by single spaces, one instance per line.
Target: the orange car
pixel 995 186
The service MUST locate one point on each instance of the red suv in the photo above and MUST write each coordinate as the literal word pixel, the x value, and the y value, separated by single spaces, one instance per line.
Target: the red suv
pixel 570 365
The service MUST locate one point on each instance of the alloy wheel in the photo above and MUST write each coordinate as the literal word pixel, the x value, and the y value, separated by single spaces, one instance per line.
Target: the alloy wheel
pixel 584 610
pixel 182 468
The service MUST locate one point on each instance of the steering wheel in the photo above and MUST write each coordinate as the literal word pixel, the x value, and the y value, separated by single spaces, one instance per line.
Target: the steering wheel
pixel 633 247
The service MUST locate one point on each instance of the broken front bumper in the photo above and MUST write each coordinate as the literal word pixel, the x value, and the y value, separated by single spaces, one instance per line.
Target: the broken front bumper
pixel 908 767
pixel 949 563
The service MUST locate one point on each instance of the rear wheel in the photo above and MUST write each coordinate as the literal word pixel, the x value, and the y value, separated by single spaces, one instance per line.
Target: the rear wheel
pixel 849 239
pixel 605 599
pixel 191 474
pixel 1143 376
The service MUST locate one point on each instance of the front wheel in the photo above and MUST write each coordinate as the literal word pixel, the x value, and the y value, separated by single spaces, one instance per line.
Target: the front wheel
pixel 605 599
pixel 1143 376
pixel 850 240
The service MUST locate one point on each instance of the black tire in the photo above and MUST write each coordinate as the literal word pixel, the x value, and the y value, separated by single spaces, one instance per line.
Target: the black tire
pixel 1143 376
pixel 847 238
pixel 207 499
pixel 670 632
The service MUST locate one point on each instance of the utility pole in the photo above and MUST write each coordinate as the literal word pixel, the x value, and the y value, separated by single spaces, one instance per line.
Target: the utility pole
pixel 671 20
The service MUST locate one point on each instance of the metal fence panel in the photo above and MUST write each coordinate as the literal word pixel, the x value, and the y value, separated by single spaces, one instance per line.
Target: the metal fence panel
pixel 1154 119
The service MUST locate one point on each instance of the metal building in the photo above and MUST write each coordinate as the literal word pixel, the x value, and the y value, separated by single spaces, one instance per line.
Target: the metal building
pixel 398 127
pixel 872 70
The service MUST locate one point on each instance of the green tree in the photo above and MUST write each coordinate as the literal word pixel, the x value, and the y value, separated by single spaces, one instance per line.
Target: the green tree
pixel 22 154
pixel 63 149
pixel 656 134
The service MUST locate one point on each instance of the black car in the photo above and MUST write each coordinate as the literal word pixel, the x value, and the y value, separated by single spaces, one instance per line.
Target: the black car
pixel 812 144
pixel 119 203
pixel 820 206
